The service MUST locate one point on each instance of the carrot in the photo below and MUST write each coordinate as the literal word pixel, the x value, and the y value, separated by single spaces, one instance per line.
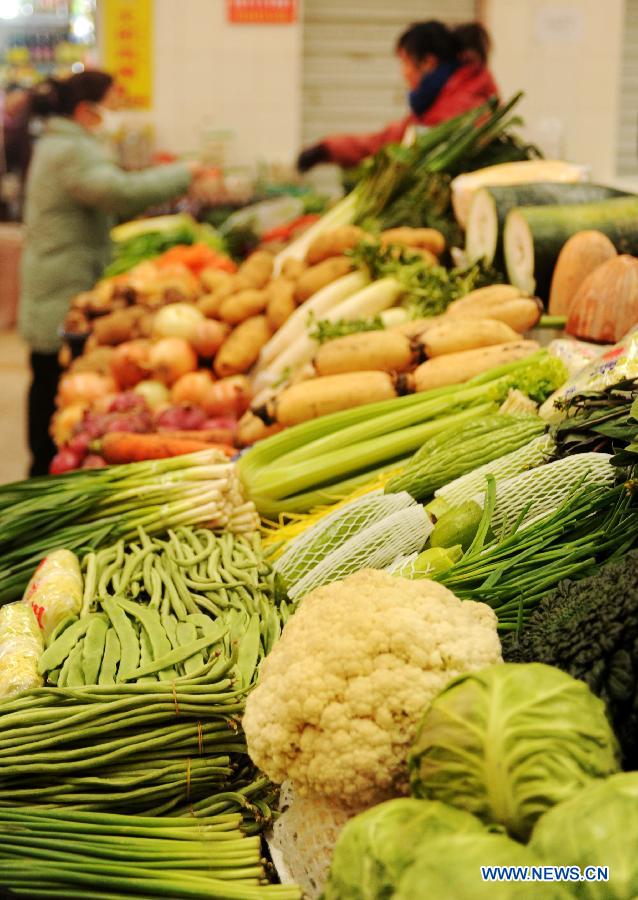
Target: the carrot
pixel 124 447
pixel 208 435
pixel 197 257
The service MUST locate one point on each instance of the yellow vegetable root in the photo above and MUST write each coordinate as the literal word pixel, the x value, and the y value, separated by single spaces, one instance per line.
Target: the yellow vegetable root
pixel 384 351
pixel 485 298
pixel 332 393
pixel 457 334
pixel 251 428
pixel 317 277
pixel 418 238
pixel 241 348
pixel 521 314
pixel 456 368
pixel 334 243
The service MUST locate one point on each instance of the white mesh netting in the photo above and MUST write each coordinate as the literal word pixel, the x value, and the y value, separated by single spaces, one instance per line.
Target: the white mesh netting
pixel 541 491
pixel 528 457
pixel 306 551
pixel 305 834
pixel 402 533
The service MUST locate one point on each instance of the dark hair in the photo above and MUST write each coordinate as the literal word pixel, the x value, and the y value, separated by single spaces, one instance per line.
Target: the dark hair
pixel 464 42
pixel 55 97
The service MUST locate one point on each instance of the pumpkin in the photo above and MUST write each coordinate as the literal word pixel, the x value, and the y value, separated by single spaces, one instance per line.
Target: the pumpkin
pixel 605 306
pixel 581 254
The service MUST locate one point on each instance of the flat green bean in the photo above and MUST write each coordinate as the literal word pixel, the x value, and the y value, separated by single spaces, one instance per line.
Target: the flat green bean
pixel 110 659
pixel 129 643
pixel 93 649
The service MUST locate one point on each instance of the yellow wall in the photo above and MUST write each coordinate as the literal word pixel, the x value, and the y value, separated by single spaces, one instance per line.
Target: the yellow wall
pixel 571 76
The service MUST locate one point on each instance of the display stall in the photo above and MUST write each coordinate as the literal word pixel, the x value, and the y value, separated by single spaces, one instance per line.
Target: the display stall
pixel 332 590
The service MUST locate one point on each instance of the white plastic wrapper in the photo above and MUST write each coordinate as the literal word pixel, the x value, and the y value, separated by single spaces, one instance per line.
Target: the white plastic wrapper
pixel 55 590
pixel 575 354
pixel 612 365
pixel 21 646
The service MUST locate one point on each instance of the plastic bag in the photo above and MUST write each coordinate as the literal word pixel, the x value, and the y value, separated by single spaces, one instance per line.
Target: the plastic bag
pixel 55 590
pixel 21 646
pixel 613 365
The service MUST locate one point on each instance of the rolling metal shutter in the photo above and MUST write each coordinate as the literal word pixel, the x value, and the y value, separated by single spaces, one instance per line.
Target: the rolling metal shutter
pixel 351 78
pixel 627 152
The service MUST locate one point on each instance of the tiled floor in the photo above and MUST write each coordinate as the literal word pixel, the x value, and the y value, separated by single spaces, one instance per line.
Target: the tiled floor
pixel 14 381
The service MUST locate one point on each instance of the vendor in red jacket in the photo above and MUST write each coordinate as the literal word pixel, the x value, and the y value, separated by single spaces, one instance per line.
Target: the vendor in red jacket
pixel 445 69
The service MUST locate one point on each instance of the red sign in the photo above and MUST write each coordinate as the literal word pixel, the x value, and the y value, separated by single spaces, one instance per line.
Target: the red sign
pixel 261 12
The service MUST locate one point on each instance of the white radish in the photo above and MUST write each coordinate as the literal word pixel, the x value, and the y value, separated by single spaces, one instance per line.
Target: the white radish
pixel 315 308
pixel 370 301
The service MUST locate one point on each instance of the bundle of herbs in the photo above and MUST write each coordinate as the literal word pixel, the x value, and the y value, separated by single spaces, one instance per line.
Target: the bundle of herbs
pixel 603 421
pixel 410 185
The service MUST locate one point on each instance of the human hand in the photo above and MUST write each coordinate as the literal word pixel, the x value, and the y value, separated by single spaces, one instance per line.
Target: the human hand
pixel 195 167
pixel 312 156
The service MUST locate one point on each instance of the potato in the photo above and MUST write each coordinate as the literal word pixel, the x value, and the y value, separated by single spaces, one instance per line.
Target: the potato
pixel 317 277
pixel 117 327
pixel 241 306
pixel 209 304
pixel 214 278
pixel 281 302
pixel 417 238
pixel 240 350
pixel 256 272
pixel 459 334
pixel 334 243
pixel 293 268
pixel 98 360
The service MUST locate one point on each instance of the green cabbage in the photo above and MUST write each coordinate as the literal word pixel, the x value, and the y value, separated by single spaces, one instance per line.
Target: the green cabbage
pixel 511 741
pixel 450 867
pixel 376 846
pixel 596 827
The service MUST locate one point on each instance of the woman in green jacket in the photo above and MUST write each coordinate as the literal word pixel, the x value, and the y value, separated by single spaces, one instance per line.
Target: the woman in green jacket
pixel 74 191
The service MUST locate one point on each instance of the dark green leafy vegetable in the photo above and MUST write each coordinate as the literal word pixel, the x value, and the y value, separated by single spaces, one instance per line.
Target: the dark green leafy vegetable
pixel 601 421
pixel 589 628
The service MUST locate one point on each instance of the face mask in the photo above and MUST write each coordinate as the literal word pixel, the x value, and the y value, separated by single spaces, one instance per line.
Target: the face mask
pixel 110 121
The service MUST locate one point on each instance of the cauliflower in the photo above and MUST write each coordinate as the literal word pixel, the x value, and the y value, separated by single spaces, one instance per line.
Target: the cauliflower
pixel 341 695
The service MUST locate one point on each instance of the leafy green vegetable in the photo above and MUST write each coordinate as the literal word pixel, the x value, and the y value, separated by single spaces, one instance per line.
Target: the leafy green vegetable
pixel 511 741
pixel 136 241
pixel 450 867
pixel 514 572
pixel 430 288
pixel 602 421
pixel 410 185
pixel 376 846
pixel 596 827
pixel 589 629
pixel 325 330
